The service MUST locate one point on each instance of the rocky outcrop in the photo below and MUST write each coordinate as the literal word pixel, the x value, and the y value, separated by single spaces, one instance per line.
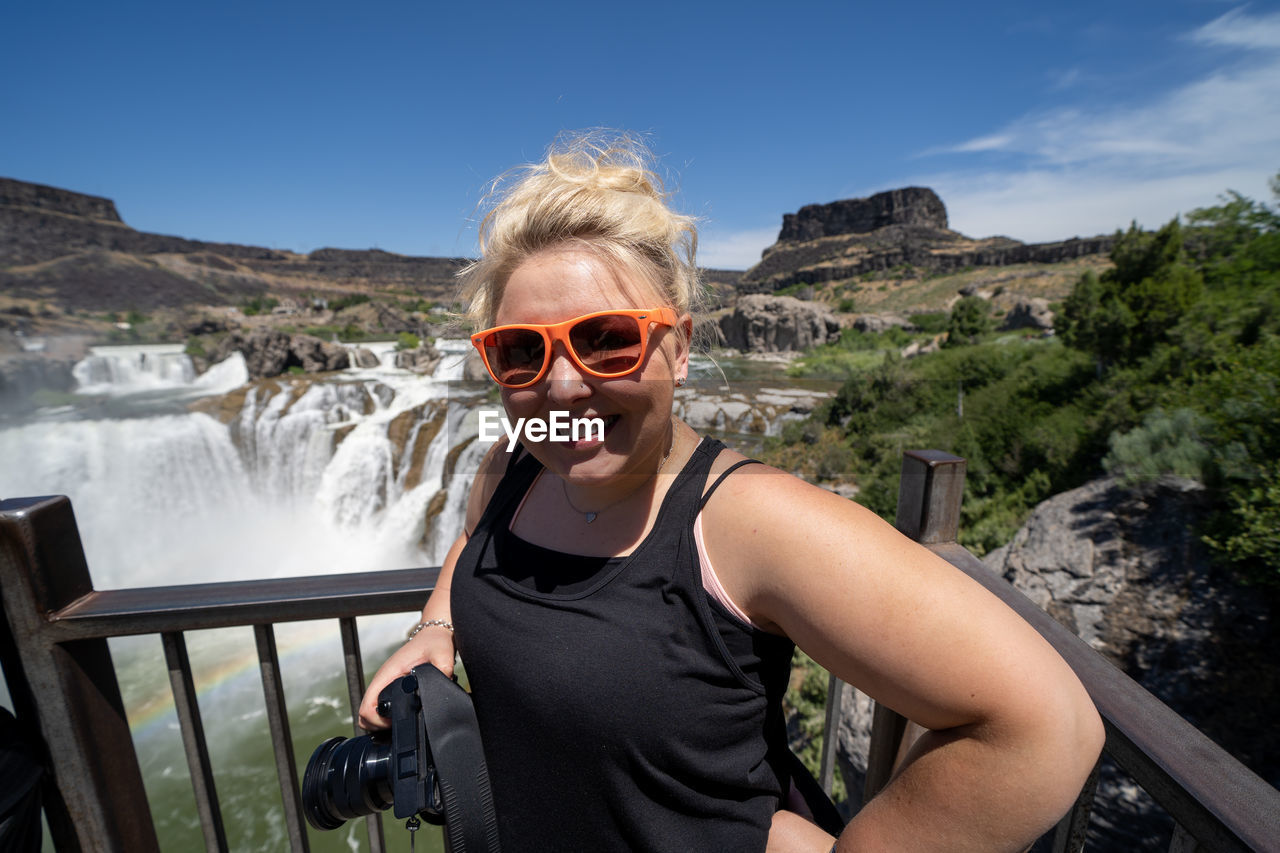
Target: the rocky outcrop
pixel 907 206
pixel 778 323
pixel 905 227
pixel 21 375
pixel 31 235
pixel 363 357
pixel 1126 571
pixel 1029 314
pixel 377 317
pixel 421 359
pixel 40 224
pixel 270 352
pixel 40 197
pixel 875 323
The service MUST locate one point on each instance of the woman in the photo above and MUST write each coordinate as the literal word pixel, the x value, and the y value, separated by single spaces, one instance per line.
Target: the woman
pixel 626 603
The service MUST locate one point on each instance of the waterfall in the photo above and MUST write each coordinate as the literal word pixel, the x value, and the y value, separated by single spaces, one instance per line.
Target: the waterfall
pixel 304 479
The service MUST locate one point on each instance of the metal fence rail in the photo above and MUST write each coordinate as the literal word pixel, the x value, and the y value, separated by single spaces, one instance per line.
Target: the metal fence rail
pixel 53 649
pixel 56 662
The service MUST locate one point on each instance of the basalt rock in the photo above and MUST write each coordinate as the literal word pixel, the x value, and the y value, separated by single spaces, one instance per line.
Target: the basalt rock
pixel 1127 572
pixel 907 206
pixel 422 359
pixel 374 317
pixel 875 323
pixel 899 229
pixel 762 323
pixel 270 352
pixel 363 357
pixel 40 197
pixel 1029 314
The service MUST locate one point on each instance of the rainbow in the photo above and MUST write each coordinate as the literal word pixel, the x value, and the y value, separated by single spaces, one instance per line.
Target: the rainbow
pixel 156 712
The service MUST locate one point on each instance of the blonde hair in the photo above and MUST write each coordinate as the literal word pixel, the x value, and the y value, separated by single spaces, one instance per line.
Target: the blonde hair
pixel 597 191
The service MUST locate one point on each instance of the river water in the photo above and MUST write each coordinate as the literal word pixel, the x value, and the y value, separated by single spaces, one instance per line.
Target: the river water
pixel 179 478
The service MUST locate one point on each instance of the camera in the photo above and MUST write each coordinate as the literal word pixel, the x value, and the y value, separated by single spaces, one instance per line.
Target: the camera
pixel 429 764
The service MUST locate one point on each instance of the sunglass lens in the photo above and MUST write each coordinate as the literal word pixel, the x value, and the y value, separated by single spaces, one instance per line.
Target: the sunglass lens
pixel 608 344
pixel 515 355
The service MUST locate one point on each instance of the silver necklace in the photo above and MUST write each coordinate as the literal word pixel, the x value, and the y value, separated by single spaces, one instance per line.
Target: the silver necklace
pixel 591 516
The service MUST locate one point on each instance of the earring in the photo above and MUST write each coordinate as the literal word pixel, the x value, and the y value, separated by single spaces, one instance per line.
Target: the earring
pixel 680 382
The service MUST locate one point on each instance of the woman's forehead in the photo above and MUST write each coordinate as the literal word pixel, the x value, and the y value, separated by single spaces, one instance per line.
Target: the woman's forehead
pixel 556 284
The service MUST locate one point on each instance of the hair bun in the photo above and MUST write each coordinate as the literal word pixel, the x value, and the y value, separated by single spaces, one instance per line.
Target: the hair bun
pixel 606 160
pixel 600 189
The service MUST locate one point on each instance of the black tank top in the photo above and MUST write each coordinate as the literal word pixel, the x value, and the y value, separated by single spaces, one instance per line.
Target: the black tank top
pixel 626 710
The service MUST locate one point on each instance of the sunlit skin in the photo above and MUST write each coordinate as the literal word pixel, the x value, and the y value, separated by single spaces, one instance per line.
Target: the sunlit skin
pixel 560 284
pixel 1012 732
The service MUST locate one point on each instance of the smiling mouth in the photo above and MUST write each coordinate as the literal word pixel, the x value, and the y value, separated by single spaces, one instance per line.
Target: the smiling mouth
pixel 591 437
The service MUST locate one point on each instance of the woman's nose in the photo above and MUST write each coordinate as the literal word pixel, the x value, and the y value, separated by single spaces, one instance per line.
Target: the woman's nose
pixel 566 380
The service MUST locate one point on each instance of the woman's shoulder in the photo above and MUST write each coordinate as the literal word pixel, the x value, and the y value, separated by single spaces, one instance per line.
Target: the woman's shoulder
pixel 774 508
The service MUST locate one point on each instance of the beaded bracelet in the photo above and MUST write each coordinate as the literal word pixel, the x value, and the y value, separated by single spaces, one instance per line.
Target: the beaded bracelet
pixel 430 623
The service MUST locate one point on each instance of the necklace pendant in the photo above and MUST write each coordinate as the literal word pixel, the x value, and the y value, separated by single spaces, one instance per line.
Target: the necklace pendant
pixel 591 516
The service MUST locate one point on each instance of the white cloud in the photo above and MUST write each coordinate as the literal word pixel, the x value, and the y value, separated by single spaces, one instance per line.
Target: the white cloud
pixel 733 250
pixel 1087 170
pixel 1047 205
pixel 1236 29
pixel 995 142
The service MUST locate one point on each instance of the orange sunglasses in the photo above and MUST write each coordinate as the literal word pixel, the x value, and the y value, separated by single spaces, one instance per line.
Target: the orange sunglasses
pixel 606 344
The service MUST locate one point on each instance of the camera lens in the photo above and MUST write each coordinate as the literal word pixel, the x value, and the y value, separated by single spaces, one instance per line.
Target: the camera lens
pixel 347 778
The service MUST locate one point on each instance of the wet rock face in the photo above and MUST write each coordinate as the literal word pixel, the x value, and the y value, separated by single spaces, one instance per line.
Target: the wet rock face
pixel 421 359
pixel 907 206
pixel 762 323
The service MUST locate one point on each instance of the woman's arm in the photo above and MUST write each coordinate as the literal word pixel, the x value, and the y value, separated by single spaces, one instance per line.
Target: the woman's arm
pixel 434 644
pixel 1012 733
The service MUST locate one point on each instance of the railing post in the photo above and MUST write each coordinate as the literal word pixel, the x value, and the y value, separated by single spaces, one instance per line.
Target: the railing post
pixel 929 494
pixel 830 734
pixel 96 800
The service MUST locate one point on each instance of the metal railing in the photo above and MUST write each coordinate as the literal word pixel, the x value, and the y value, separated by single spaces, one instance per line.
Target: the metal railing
pixel 53 646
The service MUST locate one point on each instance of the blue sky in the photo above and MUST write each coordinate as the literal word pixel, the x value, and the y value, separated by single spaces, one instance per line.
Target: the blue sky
pixel 304 125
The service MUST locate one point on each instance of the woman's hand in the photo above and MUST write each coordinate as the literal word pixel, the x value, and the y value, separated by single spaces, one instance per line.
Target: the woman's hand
pixel 433 645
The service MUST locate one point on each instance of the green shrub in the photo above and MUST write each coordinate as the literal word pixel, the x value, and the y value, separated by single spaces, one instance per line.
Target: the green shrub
pixel 407 340
pixel 1247 532
pixel 970 319
pixel 1165 444
pixel 259 305
pixel 933 322
pixel 805 706
pixel 347 300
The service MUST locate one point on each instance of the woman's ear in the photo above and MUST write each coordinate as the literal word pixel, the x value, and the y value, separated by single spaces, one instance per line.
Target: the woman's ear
pixel 684 341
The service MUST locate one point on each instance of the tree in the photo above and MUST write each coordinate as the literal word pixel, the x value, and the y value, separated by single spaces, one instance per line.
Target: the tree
pixel 969 320
pixel 1122 315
